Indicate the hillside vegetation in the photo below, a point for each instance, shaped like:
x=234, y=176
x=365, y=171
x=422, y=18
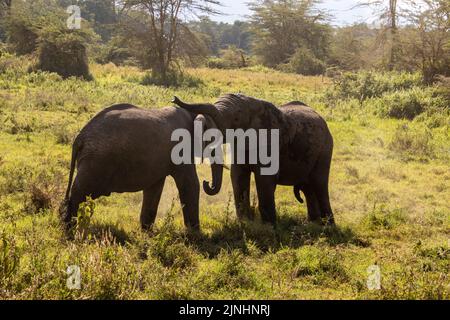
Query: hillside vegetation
x=390, y=191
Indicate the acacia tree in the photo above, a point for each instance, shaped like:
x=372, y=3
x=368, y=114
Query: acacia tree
x=282, y=27
x=389, y=12
x=5, y=8
x=159, y=24
x=429, y=43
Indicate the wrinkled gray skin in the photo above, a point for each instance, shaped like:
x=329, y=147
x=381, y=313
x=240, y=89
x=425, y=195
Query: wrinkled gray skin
x=306, y=147
x=128, y=149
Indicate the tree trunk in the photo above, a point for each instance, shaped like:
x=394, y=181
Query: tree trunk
x=395, y=46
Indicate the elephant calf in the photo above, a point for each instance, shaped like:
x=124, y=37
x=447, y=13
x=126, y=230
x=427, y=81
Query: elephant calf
x=128, y=149
x=305, y=152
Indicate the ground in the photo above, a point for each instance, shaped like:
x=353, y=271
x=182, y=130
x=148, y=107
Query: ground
x=391, y=204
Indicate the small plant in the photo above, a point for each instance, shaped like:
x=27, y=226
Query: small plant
x=40, y=199
x=9, y=258
x=64, y=135
x=320, y=264
x=84, y=215
x=412, y=143
x=384, y=218
x=231, y=272
x=168, y=245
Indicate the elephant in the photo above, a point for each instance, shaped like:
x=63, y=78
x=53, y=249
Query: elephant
x=125, y=148
x=305, y=154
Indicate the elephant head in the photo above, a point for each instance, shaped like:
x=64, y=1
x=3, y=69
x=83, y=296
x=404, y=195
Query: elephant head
x=235, y=111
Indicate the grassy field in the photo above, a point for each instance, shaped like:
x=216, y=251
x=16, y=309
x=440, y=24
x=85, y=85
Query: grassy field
x=390, y=191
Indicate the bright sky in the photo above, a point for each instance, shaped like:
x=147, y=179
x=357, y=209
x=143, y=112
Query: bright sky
x=340, y=9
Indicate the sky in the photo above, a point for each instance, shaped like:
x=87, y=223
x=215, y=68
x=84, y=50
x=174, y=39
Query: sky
x=341, y=10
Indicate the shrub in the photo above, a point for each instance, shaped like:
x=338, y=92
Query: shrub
x=412, y=143
x=407, y=104
x=40, y=198
x=304, y=62
x=402, y=104
x=230, y=58
x=65, y=54
x=231, y=273
x=114, y=51
x=9, y=258
x=22, y=34
x=368, y=84
x=168, y=245
x=173, y=79
x=384, y=218
x=65, y=134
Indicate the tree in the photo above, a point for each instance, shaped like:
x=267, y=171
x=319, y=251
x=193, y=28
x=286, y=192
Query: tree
x=428, y=42
x=5, y=8
x=158, y=22
x=351, y=47
x=389, y=12
x=101, y=13
x=283, y=26
x=220, y=36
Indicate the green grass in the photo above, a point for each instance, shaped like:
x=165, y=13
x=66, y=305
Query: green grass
x=390, y=185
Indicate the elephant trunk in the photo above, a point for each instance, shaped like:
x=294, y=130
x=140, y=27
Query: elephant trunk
x=217, y=174
x=211, y=111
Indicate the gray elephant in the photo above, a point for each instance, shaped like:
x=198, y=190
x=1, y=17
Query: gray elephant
x=305, y=152
x=127, y=149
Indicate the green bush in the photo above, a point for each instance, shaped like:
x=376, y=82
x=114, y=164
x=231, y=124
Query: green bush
x=407, y=104
x=230, y=58
x=40, y=28
x=22, y=34
x=173, y=78
x=64, y=53
x=216, y=63
x=114, y=51
x=304, y=62
x=402, y=104
x=368, y=84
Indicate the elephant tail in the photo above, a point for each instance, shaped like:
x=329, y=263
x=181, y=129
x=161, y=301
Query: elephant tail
x=75, y=149
x=297, y=194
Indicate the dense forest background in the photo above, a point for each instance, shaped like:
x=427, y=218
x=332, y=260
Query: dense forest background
x=288, y=35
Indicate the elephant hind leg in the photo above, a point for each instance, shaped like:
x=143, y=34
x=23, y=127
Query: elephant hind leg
x=312, y=203
x=320, y=184
x=326, y=213
x=150, y=202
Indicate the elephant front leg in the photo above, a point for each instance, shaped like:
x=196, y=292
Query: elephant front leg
x=240, y=178
x=188, y=186
x=265, y=186
x=150, y=203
